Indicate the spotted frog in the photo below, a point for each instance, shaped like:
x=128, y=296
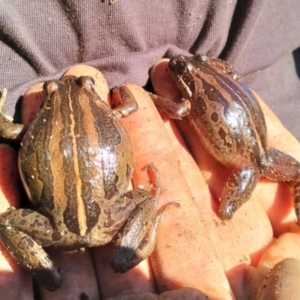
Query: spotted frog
x=229, y=122
x=76, y=162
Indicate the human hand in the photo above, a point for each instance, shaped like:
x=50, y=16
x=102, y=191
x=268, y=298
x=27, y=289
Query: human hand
x=194, y=248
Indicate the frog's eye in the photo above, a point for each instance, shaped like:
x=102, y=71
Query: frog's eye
x=87, y=82
x=178, y=67
x=50, y=86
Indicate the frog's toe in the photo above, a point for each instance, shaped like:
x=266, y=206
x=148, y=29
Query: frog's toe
x=49, y=279
x=226, y=210
x=124, y=258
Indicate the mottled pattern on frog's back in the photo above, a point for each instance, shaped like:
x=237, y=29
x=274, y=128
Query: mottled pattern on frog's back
x=228, y=118
x=76, y=153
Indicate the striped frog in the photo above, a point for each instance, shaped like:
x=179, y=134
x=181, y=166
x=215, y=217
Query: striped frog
x=229, y=122
x=76, y=163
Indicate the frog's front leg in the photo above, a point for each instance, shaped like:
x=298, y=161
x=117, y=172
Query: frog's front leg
x=136, y=241
x=123, y=102
x=238, y=189
x=175, y=110
x=9, y=130
x=284, y=168
x=24, y=232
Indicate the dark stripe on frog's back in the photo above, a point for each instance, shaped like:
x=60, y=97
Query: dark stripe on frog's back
x=109, y=139
x=34, y=151
x=69, y=97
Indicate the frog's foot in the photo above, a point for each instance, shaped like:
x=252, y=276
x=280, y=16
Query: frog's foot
x=19, y=231
x=3, y=95
x=297, y=198
x=237, y=191
x=123, y=102
x=32, y=257
x=284, y=168
x=8, y=129
x=154, y=179
x=173, y=109
x=137, y=239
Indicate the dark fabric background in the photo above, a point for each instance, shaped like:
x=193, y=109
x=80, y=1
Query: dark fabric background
x=42, y=39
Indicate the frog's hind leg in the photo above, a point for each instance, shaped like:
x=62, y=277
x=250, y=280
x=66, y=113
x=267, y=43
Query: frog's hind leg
x=8, y=129
x=136, y=241
x=238, y=189
x=23, y=232
x=284, y=168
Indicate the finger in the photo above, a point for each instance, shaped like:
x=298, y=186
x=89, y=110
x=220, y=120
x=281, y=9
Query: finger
x=9, y=178
x=282, y=282
x=135, y=281
x=184, y=254
x=14, y=282
x=277, y=271
x=79, y=276
x=286, y=246
x=278, y=136
x=233, y=239
x=138, y=279
x=280, y=208
x=183, y=293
